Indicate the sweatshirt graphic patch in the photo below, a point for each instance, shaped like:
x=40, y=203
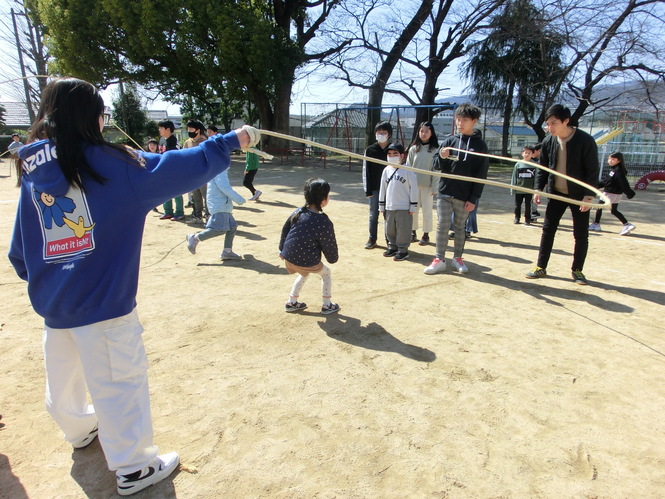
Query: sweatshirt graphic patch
x=66, y=224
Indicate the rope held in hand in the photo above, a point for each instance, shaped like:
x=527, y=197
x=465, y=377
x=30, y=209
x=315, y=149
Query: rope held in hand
x=485, y=181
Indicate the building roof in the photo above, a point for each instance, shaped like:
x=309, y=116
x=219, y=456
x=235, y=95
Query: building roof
x=16, y=115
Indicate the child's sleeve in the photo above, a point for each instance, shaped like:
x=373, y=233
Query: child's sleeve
x=224, y=185
x=285, y=230
x=382, y=191
x=625, y=187
x=16, y=256
x=328, y=242
x=413, y=192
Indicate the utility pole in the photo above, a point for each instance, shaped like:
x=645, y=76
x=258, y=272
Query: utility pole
x=26, y=84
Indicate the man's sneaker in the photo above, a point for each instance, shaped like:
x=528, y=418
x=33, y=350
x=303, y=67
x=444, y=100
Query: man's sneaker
x=390, y=252
x=294, y=307
x=177, y=218
x=192, y=241
x=627, y=229
x=166, y=217
x=536, y=273
x=256, y=196
x=459, y=265
x=330, y=309
x=414, y=236
x=527, y=222
x=230, y=255
x=87, y=440
x=195, y=221
x=451, y=235
x=401, y=256
x=371, y=243
x=578, y=277
x=516, y=221
x=595, y=227
x=424, y=241
x=436, y=267
x=155, y=472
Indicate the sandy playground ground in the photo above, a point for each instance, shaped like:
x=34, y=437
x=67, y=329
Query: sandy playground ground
x=481, y=385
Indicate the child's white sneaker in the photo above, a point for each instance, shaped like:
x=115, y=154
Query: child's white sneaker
x=230, y=255
x=459, y=265
x=192, y=241
x=627, y=229
x=155, y=472
x=256, y=196
x=436, y=267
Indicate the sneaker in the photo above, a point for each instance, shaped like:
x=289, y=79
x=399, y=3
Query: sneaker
x=166, y=217
x=333, y=308
x=87, y=440
x=578, y=277
x=424, y=241
x=627, y=229
x=371, y=243
x=256, y=196
x=451, y=235
x=468, y=235
x=195, y=221
x=230, y=255
x=401, y=256
x=159, y=469
x=390, y=252
x=177, y=218
x=414, y=237
x=192, y=241
x=527, y=222
x=535, y=214
x=459, y=265
x=294, y=307
x=516, y=221
x=536, y=273
x=595, y=227
x=436, y=267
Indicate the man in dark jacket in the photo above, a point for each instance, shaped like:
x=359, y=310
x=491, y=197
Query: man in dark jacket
x=372, y=176
x=570, y=151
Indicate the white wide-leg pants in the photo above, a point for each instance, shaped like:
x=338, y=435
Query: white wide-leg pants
x=108, y=357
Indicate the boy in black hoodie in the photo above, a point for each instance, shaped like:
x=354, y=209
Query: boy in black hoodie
x=458, y=196
x=372, y=176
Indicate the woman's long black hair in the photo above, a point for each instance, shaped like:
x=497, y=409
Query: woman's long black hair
x=315, y=190
x=620, y=165
x=69, y=115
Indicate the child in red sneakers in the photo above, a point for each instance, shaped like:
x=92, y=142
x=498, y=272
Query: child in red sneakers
x=307, y=233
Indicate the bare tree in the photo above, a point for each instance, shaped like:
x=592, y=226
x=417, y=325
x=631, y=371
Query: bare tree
x=605, y=43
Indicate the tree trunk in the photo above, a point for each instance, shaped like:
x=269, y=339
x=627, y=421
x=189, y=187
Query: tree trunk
x=507, y=118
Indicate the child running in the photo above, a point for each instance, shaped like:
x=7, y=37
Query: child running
x=398, y=199
x=614, y=186
x=220, y=196
x=524, y=175
x=81, y=261
x=307, y=233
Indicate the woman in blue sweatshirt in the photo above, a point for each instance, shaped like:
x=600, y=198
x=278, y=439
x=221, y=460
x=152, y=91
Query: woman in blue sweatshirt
x=79, y=250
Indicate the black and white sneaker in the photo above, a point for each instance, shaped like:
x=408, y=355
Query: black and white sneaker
x=159, y=469
x=87, y=440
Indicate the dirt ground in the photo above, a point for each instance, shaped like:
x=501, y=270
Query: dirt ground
x=482, y=385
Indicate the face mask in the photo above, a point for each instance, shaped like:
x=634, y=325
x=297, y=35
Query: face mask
x=381, y=137
x=393, y=160
x=192, y=134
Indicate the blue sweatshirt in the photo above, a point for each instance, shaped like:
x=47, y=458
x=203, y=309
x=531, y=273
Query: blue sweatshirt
x=80, y=250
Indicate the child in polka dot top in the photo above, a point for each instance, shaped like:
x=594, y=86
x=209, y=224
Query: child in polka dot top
x=307, y=233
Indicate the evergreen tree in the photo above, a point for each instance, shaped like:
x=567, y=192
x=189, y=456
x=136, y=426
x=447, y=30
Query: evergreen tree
x=129, y=114
x=512, y=68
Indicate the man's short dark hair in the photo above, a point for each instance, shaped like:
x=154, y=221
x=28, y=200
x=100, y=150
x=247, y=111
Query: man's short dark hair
x=197, y=125
x=538, y=146
x=167, y=124
x=384, y=125
x=213, y=128
x=468, y=110
x=560, y=112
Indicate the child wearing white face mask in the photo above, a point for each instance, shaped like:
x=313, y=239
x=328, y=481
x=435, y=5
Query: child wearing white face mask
x=372, y=176
x=398, y=200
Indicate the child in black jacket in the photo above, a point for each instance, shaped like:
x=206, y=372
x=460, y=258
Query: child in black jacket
x=614, y=185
